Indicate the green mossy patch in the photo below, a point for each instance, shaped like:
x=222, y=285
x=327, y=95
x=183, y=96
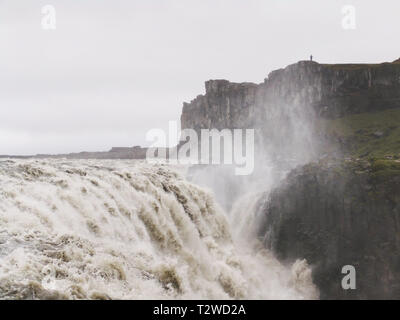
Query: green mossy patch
x=374, y=134
x=379, y=165
x=385, y=170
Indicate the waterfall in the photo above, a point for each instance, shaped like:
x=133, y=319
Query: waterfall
x=96, y=229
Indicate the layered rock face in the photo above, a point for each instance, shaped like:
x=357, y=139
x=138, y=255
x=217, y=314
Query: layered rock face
x=286, y=106
x=225, y=105
x=331, y=212
x=330, y=90
x=338, y=214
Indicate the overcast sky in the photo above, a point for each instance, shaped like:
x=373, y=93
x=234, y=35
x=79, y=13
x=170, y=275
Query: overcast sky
x=114, y=69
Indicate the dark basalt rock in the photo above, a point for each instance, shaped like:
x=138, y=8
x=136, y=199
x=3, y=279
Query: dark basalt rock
x=293, y=109
x=339, y=213
x=331, y=90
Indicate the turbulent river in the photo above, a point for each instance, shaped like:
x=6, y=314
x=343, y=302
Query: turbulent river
x=91, y=229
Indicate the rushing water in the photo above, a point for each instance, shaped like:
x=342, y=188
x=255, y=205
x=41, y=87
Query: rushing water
x=90, y=229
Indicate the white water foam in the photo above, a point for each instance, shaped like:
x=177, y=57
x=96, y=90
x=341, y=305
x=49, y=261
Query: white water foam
x=90, y=229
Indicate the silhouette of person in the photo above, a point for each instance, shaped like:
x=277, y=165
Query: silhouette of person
x=311, y=58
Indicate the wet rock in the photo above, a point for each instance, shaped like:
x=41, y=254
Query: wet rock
x=345, y=214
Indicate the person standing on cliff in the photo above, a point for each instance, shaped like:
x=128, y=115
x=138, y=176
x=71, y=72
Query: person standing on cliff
x=311, y=58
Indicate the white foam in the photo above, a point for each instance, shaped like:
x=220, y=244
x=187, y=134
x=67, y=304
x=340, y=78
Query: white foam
x=125, y=230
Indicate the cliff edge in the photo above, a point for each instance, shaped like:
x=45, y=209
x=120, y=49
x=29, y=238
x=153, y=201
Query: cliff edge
x=340, y=203
x=331, y=99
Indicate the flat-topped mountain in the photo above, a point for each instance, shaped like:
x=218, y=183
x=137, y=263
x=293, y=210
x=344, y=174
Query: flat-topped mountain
x=328, y=97
x=333, y=90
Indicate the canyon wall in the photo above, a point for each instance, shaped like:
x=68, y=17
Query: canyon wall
x=339, y=213
x=331, y=90
x=291, y=104
x=337, y=128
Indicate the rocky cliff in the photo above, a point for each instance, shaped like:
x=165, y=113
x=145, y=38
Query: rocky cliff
x=331, y=90
x=338, y=213
x=307, y=92
x=340, y=204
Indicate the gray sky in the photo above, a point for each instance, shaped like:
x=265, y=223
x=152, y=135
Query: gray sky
x=114, y=69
